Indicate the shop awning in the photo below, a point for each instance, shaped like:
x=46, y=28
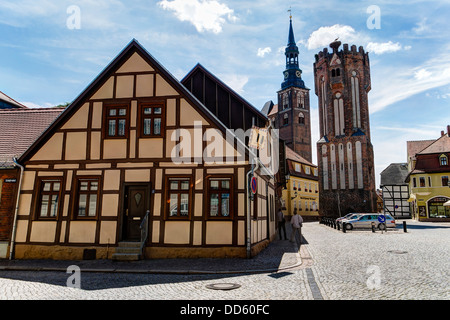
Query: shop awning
x=447, y=204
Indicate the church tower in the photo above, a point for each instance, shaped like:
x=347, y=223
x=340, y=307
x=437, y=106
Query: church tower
x=344, y=152
x=293, y=117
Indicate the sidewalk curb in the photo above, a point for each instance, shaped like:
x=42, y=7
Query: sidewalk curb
x=159, y=271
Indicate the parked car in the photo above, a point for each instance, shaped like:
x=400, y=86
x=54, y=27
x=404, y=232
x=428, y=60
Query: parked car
x=350, y=216
x=367, y=219
x=347, y=216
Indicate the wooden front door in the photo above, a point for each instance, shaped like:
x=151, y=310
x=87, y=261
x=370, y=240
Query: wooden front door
x=136, y=205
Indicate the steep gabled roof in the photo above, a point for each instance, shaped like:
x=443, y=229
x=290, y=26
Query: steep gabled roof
x=440, y=145
x=236, y=120
x=414, y=147
x=20, y=128
x=115, y=64
x=394, y=174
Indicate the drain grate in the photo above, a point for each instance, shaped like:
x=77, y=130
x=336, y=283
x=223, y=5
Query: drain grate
x=397, y=251
x=223, y=286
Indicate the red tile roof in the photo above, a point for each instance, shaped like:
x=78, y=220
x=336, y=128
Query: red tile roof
x=19, y=128
x=439, y=146
x=292, y=155
x=414, y=147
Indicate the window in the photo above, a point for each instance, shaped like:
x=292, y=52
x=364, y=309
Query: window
x=301, y=118
x=414, y=183
x=285, y=119
x=422, y=182
x=297, y=167
x=443, y=160
x=152, y=120
x=49, y=198
x=336, y=72
x=219, y=190
x=116, y=121
x=87, y=197
x=445, y=181
x=178, y=194
x=285, y=101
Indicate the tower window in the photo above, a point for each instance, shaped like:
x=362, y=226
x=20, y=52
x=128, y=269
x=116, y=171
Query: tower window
x=301, y=118
x=285, y=101
x=336, y=72
x=285, y=119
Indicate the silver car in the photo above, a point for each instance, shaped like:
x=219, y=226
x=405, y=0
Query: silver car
x=350, y=216
x=366, y=220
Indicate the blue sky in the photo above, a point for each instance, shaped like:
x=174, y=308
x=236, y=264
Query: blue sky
x=44, y=61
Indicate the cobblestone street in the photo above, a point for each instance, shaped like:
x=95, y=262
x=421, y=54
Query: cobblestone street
x=335, y=265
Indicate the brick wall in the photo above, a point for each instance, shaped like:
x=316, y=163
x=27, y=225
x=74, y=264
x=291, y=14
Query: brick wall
x=7, y=202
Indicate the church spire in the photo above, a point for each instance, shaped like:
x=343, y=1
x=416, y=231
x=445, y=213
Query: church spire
x=291, y=40
x=292, y=74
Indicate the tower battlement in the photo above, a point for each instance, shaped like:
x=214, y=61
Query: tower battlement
x=345, y=152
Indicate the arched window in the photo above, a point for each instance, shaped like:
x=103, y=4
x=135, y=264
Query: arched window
x=443, y=160
x=301, y=118
x=301, y=100
x=285, y=119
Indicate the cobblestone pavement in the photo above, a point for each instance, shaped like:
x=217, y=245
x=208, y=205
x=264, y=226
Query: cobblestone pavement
x=334, y=265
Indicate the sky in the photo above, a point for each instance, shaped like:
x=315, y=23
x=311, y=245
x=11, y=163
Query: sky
x=50, y=50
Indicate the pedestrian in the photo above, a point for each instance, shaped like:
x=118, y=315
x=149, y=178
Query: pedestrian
x=281, y=224
x=296, y=222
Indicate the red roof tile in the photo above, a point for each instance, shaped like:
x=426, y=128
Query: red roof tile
x=19, y=128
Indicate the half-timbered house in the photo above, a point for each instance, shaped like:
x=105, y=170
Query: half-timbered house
x=137, y=166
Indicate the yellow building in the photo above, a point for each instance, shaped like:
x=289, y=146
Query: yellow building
x=302, y=189
x=429, y=178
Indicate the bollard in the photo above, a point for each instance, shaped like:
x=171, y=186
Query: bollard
x=338, y=226
x=343, y=227
x=373, y=227
x=404, y=226
x=334, y=224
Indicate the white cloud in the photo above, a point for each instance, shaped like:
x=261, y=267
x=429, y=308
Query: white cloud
x=35, y=105
x=262, y=52
x=384, y=47
x=205, y=15
x=421, y=26
x=235, y=82
x=422, y=74
x=405, y=83
x=323, y=36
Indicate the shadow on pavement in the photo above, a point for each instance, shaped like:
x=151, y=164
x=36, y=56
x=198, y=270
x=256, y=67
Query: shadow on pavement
x=106, y=274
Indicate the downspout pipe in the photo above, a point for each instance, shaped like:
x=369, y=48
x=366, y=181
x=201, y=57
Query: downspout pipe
x=14, y=229
x=249, y=197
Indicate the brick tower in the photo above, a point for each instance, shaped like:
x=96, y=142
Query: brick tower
x=293, y=118
x=344, y=152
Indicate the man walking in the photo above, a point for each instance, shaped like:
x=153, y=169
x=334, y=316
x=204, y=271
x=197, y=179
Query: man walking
x=281, y=224
x=296, y=222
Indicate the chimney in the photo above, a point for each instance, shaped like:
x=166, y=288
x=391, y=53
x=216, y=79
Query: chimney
x=448, y=130
x=442, y=133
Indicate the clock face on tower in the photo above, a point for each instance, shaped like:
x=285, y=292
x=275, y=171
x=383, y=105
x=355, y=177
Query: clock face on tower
x=298, y=74
x=286, y=74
